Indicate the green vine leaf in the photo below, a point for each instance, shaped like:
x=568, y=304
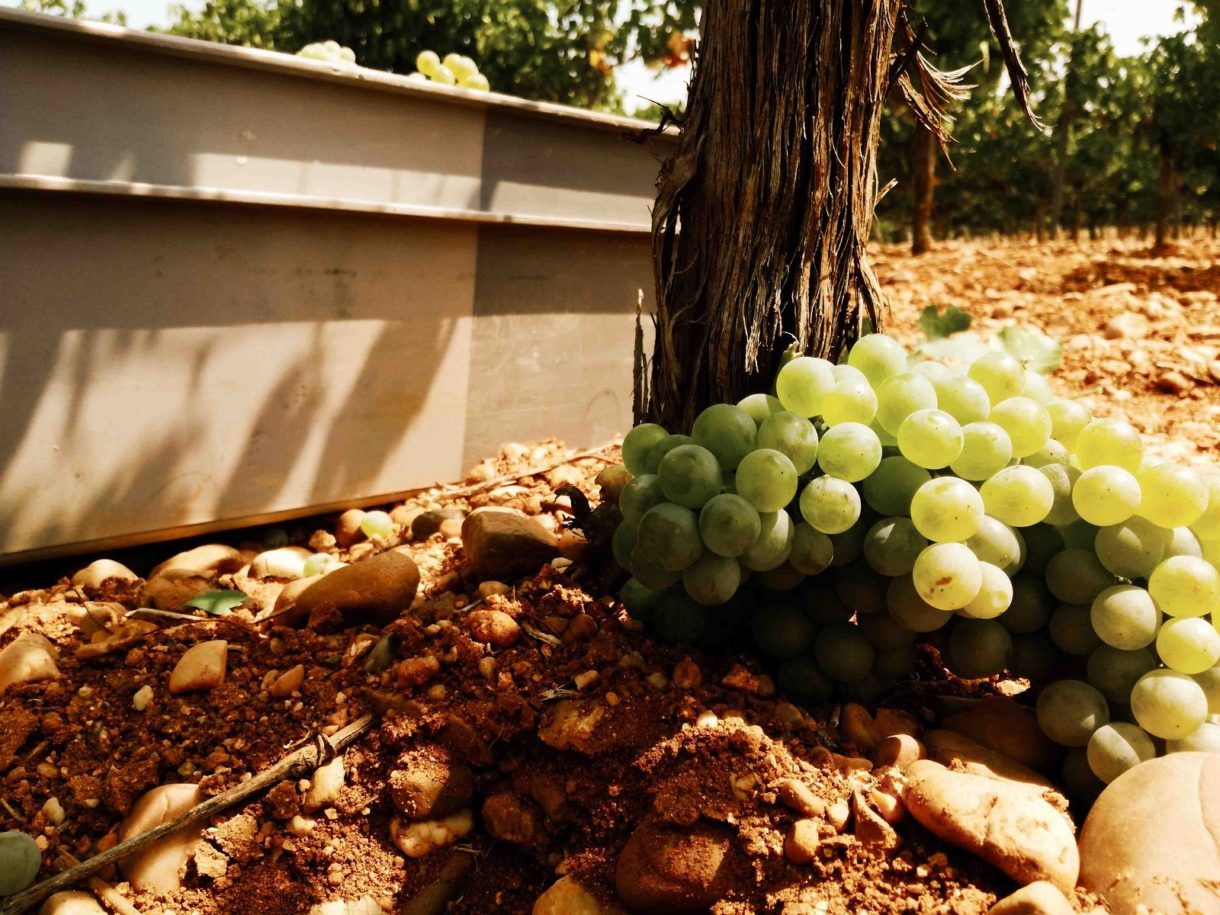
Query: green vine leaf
x=1034, y=348
x=217, y=603
x=937, y=326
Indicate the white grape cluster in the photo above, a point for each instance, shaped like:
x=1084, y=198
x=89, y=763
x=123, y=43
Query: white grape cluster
x=328, y=51
x=454, y=70
x=869, y=502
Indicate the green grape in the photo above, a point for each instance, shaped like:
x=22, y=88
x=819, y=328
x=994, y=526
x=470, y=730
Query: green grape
x=677, y=618
x=801, y=679
x=962, y=398
x=1207, y=525
x=849, y=451
x=1209, y=681
x=978, y=648
x=1036, y=387
x=812, y=551
x=830, y=505
x=878, y=356
x=1062, y=478
x=1069, y=711
x=1105, y=495
x=821, y=604
x=1183, y=542
x=1210, y=550
x=802, y=383
x=884, y=632
x=887, y=440
x=843, y=652
x=1053, y=452
x=781, y=578
x=1068, y=418
x=460, y=66
x=849, y=544
x=1168, y=704
x=1174, y=496
x=947, y=509
x=1042, y=542
x=427, y=62
x=773, y=545
x=1116, y=747
x=1124, y=616
x=20, y=859
x=1000, y=374
x=782, y=631
x=994, y=597
x=901, y=395
x=1033, y=656
x=986, y=450
x=639, y=599
x=728, y=524
x=1079, y=535
x=726, y=431
x=766, y=479
x=1189, y=645
x=662, y=447
x=639, y=495
x=760, y=406
x=1131, y=549
x=1018, y=495
x=690, y=475
x=1109, y=442
x=1072, y=631
x=1203, y=739
x=323, y=563
x=1030, y=609
x=377, y=524
x=668, y=537
x=792, y=435
x=910, y=610
x=893, y=484
x=930, y=438
x=1026, y=421
x=894, y=664
x=849, y=401
x=892, y=544
x=1185, y=586
x=1075, y=576
x=947, y=575
x=651, y=575
x=935, y=372
x=622, y=544
x=860, y=588
x=999, y=544
x=1115, y=672
x=637, y=443
x=712, y=579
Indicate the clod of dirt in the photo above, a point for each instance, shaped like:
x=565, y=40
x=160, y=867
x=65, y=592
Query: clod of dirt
x=670, y=870
x=427, y=782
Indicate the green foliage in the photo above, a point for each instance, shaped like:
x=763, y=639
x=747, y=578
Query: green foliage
x=75, y=10
x=937, y=326
x=217, y=603
x=250, y=23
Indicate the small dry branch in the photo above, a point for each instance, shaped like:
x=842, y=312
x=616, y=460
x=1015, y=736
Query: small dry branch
x=316, y=752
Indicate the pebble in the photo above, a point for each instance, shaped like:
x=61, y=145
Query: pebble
x=324, y=786
x=488, y=589
x=427, y=783
x=1038, y=898
x=71, y=902
x=285, y=562
x=857, y=726
x=101, y=571
x=687, y=674
x=566, y=896
x=1174, y=383
x=1149, y=843
x=374, y=591
x=201, y=667
x=158, y=868
x=1128, y=325
x=446, y=521
x=288, y=682
x=799, y=797
x=1004, y=823
x=347, y=528
x=1007, y=727
x=837, y=815
x=416, y=671
x=801, y=843
x=415, y=840
x=494, y=627
x=502, y=543
x=365, y=905
x=300, y=826
x=208, y=561
x=667, y=870
x=29, y=658
x=53, y=810
x=871, y=828
x=898, y=750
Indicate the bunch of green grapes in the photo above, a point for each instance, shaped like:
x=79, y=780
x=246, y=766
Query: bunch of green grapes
x=861, y=507
x=454, y=70
x=329, y=51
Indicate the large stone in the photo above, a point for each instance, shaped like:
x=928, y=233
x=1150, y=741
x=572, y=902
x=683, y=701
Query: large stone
x=374, y=591
x=566, y=896
x=955, y=750
x=29, y=658
x=101, y=571
x=666, y=870
x=502, y=543
x=188, y=574
x=157, y=868
x=1007, y=727
x=1038, y=898
x=1005, y=823
x=1152, y=840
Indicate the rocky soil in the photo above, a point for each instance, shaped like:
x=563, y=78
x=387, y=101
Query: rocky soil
x=534, y=749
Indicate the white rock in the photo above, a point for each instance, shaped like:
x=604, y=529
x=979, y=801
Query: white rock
x=158, y=867
x=285, y=562
x=325, y=786
x=29, y=658
x=201, y=667
x=72, y=902
x=102, y=570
